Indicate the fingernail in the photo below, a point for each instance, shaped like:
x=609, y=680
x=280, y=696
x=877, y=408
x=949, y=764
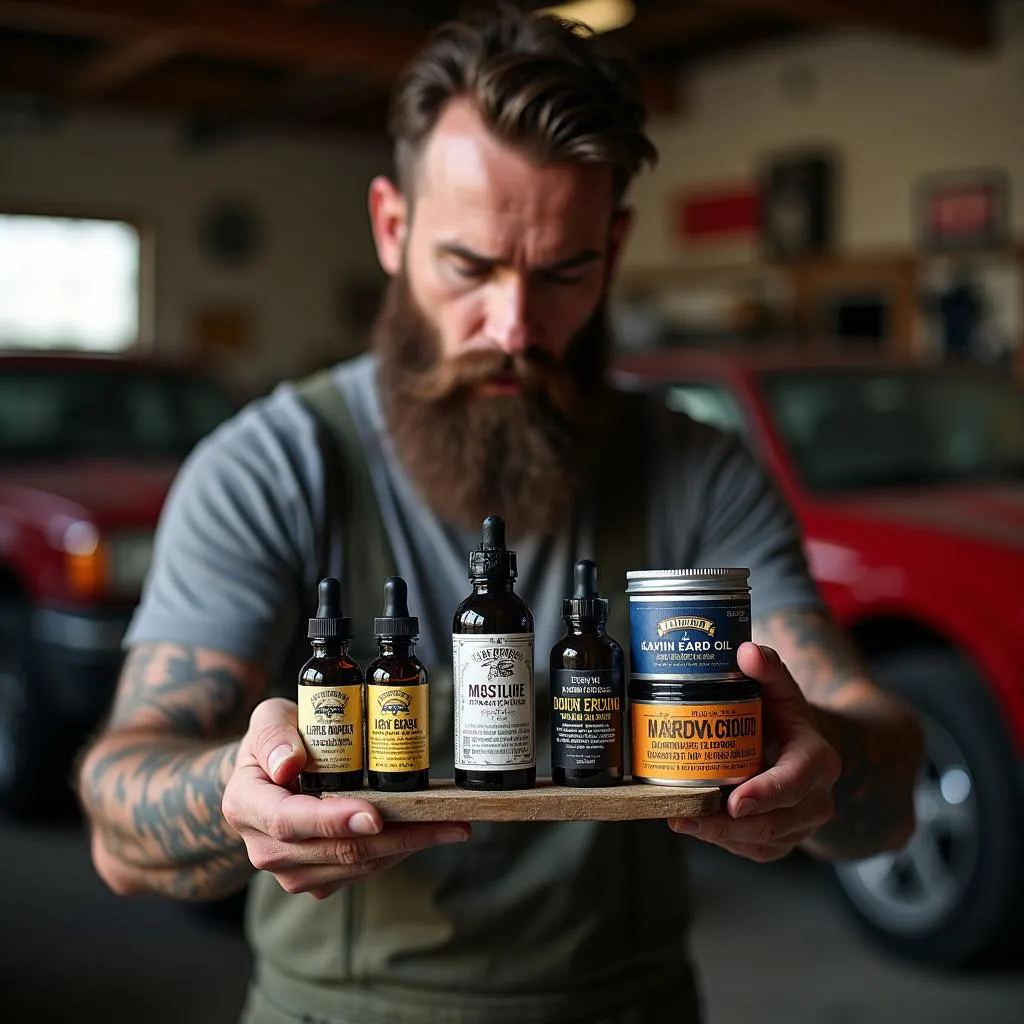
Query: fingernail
x=745, y=807
x=278, y=756
x=363, y=824
x=685, y=825
x=451, y=835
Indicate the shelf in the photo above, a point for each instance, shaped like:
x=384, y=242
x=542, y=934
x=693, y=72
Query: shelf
x=545, y=802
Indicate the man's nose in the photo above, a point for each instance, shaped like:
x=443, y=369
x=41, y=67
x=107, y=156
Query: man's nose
x=506, y=320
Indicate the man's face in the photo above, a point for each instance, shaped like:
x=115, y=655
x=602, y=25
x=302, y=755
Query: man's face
x=500, y=253
x=492, y=339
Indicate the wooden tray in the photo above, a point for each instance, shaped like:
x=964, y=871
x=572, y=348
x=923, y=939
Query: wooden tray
x=545, y=802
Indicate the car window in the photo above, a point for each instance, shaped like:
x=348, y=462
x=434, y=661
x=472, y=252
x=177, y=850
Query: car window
x=849, y=429
x=97, y=413
x=713, y=404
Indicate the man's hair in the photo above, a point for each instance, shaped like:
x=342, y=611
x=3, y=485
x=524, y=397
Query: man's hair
x=541, y=84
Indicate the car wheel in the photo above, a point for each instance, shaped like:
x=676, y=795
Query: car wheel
x=953, y=892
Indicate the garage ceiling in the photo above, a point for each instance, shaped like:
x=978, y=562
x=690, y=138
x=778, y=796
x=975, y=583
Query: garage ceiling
x=327, y=64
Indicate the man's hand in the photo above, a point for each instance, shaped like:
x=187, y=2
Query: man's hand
x=308, y=844
x=773, y=812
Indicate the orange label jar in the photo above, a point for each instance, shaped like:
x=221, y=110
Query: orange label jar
x=695, y=719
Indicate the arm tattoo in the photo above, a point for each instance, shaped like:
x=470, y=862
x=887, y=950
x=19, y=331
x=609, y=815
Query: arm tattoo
x=876, y=736
x=154, y=781
x=181, y=690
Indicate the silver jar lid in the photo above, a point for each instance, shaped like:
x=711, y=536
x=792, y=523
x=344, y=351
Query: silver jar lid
x=682, y=581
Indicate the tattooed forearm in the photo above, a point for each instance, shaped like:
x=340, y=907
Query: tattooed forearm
x=156, y=808
x=152, y=785
x=184, y=691
x=876, y=735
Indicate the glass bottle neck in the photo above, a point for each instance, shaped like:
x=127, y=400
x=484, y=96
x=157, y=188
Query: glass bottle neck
x=396, y=647
x=485, y=586
x=576, y=627
x=329, y=648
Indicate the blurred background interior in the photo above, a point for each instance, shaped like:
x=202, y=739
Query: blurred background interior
x=829, y=261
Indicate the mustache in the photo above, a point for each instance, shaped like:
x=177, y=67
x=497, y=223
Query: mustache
x=538, y=372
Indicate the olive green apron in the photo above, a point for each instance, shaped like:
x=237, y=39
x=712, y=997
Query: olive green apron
x=527, y=923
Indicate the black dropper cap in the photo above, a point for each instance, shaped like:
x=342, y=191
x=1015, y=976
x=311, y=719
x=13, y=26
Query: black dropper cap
x=396, y=620
x=585, y=605
x=492, y=559
x=329, y=623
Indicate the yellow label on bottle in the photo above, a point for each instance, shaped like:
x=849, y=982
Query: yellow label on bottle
x=697, y=742
x=397, y=728
x=331, y=726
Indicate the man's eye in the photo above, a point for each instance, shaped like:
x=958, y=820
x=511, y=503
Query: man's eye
x=473, y=271
x=554, y=278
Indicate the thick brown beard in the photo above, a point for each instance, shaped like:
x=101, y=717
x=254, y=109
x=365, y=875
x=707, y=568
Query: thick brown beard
x=523, y=457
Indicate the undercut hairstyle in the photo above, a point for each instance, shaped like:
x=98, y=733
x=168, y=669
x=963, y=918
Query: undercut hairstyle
x=544, y=85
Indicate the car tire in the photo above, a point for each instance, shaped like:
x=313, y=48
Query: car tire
x=33, y=751
x=954, y=893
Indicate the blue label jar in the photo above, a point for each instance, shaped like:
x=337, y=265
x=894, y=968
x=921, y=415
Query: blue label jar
x=687, y=623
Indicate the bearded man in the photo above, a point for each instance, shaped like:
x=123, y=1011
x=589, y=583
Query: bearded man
x=485, y=392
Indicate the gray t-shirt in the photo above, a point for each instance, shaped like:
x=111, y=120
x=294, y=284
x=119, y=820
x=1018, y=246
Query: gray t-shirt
x=587, y=915
x=240, y=538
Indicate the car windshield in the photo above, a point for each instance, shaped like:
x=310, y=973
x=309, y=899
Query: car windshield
x=854, y=429
x=94, y=412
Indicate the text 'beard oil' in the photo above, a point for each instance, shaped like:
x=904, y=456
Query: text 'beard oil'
x=492, y=648
x=397, y=704
x=330, y=701
x=588, y=691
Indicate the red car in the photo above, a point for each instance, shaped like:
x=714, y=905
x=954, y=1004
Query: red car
x=89, y=446
x=909, y=484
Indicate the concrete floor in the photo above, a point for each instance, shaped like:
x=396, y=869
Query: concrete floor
x=72, y=952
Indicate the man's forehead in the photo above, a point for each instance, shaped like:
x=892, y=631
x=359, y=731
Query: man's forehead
x=466, y=170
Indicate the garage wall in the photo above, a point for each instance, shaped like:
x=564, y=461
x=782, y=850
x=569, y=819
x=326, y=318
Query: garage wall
x=892, y=111
x=310, y=195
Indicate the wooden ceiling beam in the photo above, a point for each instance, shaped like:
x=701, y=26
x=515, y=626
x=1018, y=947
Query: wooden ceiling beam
x=958, y=24
x=124, y=62
x=228, y=29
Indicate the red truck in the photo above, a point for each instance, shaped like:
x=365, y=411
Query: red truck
x=89, y=446
x=908, y=482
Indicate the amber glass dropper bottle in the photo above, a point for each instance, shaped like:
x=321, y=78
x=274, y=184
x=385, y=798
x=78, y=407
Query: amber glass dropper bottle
x=397, y=704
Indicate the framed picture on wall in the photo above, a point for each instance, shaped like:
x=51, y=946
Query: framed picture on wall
x=961, y=210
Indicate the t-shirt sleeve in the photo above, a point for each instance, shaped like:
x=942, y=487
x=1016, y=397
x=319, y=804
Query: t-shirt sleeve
x=229, y=553
x=730, y=513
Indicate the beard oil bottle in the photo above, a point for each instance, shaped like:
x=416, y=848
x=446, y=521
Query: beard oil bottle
x=397, y=723
x=331, y=701
x=588, y=691
x=492, y=647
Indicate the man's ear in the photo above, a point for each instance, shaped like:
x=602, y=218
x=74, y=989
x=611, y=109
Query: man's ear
x=389, y=219
x=622, y=224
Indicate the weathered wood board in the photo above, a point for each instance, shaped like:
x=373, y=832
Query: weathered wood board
x=545, y=802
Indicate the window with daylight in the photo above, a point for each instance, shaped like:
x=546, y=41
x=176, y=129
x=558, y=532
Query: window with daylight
x=69, y=283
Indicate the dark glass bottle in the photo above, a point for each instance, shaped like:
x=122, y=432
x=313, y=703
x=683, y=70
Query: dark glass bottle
x=492, y=647
x=331, y=702
x=397, y=700
x=588, y=691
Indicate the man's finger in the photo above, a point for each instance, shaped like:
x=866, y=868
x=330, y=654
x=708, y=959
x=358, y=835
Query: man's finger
x=785, y=784
x=760, y=829
x=764, y=665
x=352, y=852
x=252, y=802
x=322, y=882
x=274, y=742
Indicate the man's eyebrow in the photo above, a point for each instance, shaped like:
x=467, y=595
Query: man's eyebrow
x=580, y=259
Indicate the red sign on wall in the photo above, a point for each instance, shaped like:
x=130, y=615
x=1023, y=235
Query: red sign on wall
x=964, y=210
x=717, y=214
